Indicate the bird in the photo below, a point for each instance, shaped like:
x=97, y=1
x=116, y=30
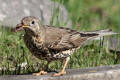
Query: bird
x=52, y=43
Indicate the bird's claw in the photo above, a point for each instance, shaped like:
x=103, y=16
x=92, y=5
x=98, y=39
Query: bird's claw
x=39, y=73
x=59, y=74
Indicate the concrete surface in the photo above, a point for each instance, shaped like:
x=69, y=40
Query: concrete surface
x=97, y=73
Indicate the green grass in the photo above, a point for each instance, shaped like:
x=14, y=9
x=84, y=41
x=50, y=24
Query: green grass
x=85, y=15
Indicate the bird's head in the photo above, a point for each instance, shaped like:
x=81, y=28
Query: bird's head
x=30, y=24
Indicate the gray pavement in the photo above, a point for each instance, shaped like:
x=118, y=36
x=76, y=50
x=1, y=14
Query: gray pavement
x=95, y=73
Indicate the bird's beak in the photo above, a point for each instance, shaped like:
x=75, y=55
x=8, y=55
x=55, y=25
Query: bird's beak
x=24, y=26
x=20, y=27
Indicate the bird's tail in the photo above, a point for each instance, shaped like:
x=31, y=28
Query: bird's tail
x=105, y=32
x=98, y=33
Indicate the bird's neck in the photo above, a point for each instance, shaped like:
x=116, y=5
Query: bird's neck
x=29, y=32
x=37, y=33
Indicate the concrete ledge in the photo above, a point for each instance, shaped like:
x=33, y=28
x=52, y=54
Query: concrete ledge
x=95, y=73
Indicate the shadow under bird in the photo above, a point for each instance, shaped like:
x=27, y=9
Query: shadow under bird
x=54, y=43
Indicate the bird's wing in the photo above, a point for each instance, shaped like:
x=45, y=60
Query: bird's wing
x=70, y=41
x=64, y=39
x=63, y=43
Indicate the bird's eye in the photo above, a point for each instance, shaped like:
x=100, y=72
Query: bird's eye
x=33, y=22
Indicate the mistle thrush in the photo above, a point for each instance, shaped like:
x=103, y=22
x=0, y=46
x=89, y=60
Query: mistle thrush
x=54, y=43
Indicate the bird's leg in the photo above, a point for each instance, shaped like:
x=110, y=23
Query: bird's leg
x=42, y=72
x=62, y=72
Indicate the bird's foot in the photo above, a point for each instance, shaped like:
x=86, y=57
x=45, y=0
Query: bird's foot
x=39, y=73
x=59, y=74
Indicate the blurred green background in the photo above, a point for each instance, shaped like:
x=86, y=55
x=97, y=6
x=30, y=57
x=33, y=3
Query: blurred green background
x=86, y=15
x=93, y=14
